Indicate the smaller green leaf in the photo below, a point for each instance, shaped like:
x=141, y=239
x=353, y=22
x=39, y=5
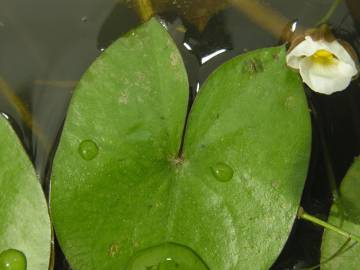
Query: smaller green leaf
x=350, y=194
x=12, y=259
x=348, y=259
x=25, y=232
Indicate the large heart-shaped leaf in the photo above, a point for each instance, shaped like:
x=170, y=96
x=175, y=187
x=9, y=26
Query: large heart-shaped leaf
x=348, y=258
x=127, y=194
x=24, y=218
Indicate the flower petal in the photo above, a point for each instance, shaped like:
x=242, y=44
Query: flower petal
x=340, y=52
x=305, y=48
x=326, y=79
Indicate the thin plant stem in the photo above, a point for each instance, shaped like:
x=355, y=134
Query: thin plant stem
x=331, y=176
x=145, y=9
x=305, y=216
x=24, y=113
x=337, y=253
x=267, y=18
x=329, y=13
x=328, y=163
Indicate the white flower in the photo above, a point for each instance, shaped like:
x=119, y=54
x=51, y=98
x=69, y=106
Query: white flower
x=325, y=66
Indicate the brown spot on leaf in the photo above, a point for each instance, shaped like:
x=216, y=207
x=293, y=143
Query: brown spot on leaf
x=174, y=59
x=136, y=244
x=289, y=101
x=113, y=250
x=124, y=98
x=253, y=66
x=275, y=184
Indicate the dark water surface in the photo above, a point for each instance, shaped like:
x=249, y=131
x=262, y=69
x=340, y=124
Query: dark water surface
x=45, y=46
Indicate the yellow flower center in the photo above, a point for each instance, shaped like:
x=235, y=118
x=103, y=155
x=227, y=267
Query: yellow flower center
x=323, y=57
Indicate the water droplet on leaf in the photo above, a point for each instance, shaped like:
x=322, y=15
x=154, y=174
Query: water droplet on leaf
x=12, y=259
x=222, y=172
x=88, y=149
x=168, y=264
x=167, y=256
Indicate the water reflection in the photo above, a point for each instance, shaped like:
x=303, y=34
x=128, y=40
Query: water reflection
x=187, y=46
x=5, y=116
x=211, y=55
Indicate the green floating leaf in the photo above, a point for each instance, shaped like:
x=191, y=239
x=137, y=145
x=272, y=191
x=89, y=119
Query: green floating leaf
x=349, y=259
x=123, y=198
x=12, y=259
x=24, y=218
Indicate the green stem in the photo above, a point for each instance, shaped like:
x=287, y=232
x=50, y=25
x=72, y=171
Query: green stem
x=328, y=164
x=144, y=9
x=329, y=168
x=305, y=216
x=329, y=13
x=331, y=176
x=337, y=253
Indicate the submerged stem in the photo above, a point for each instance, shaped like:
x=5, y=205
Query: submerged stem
x=305, y=216
x=330, y=12
x=331, y=176
x=340, y=251
x=145, y=9
x=328, y=163
x=24, y=113
x=264, y=16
